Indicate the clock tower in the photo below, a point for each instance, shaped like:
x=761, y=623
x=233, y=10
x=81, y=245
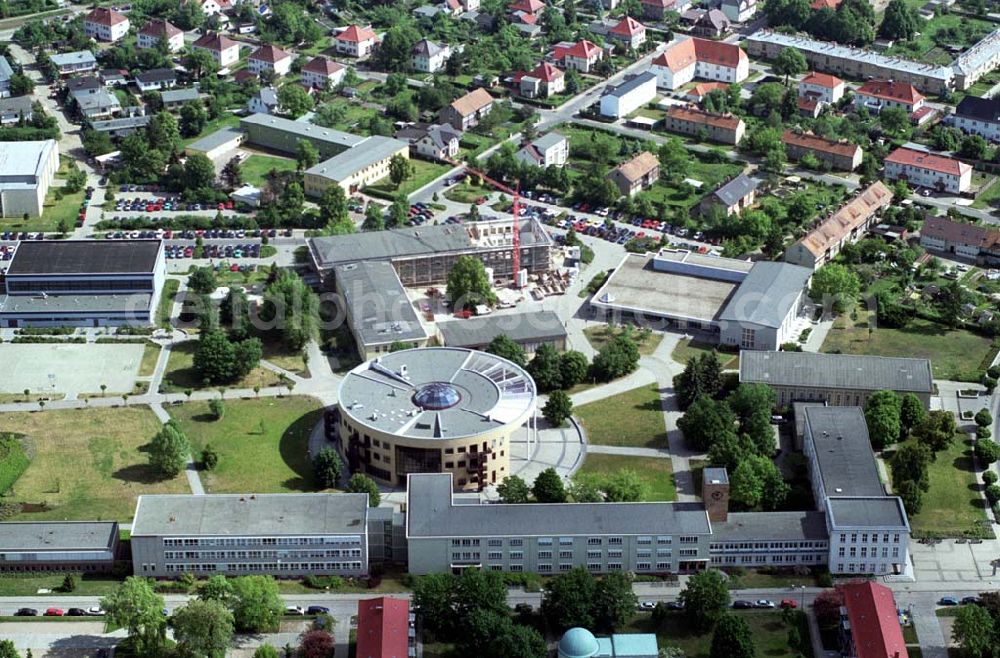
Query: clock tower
x=715, y=493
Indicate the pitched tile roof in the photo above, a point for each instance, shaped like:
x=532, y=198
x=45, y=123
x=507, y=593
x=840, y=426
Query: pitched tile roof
x=902, y=92
x=270, y=54
x=582, y=49
x=983, y=109
x=160, y=28
x=427, y=48
x=546, y=72
x=685, y=53
x=735, y=190
x=628, y=27
x=703, y=88
x=356, y=34
x=875, y=628
x=825, y=4
x=932, y=161
x=472, y=102
x=638, y=166
x=528, y=6
x=817, y=143
x=821, y=80
x=105, y=16
x=217, y=42
x=383, y=628
x=323, y=65
x=971, y=235
x=848, y=217
x=694, y=115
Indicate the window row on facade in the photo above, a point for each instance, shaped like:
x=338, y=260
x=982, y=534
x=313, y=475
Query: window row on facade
x=258, y=555
x=346, y=540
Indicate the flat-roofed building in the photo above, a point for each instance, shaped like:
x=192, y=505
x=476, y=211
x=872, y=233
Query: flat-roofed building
x=847, y=225
x=629, y=96
x=86, y=546
x=529, y=330
x=923, y=169
x=26, y=171
x=364, y=164
x=722, y=128
x=752, y=540
x=284, y=535
x=841, y=155
x=75, y=62
x=447, y=535
x=116, y=128
x=83, y=283
x=837, y=379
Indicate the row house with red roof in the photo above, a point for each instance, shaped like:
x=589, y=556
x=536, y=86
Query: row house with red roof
x=157, y=30
x=322, y=73
x=581, y=56
x=105, y=24
x=841, y=155
x=356, y=41
x=271, y=59
x=822, y=87
x=923, y=169
x=223, y=50
x=869, y=625
x=385, y=628
x=544, y=81
x=693, y=58
x=879, y=94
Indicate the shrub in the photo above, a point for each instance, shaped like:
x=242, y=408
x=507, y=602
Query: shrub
x=209, y=458
x=13, y=461
x=990, y=477
x=824, y=579
x=69, y=583
x=993, y=494
x=217, y=408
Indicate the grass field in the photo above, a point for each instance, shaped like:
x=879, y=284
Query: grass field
x=656, y=474
x=88, y=464
x=989, y=197
x=181, y=375
x=688, y=349
x=423, y=172
x=953, y=504
x=256, y=167
x=262, y=443
x=53, y=211
x=166, y=306
x=150, y=353
x=633, y=418
x=770, y=633
x=277, y=354
x=227, y=120
x=952, y=352
x=599, y=337
x=29, y=584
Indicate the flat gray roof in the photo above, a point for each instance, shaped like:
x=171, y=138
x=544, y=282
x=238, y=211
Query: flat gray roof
x=179, y=95
x=879, y=511
x=767, y=295
x=846, y=464
x=78, y=57
x=487, y=392
x=215, y=140
x=22, y=163
x=346, y=164
x=715, y=475
x=431, y=512
x=251, y=515
x=124, y=122
x=62, y=257
x=58, y=536
x=637, y=287
x=138, y=302
x=631, y=84
x=302, y=129
x=519, y=327
x=385, y=245
x=377, y=303
x=772, y=526
x=843, y=371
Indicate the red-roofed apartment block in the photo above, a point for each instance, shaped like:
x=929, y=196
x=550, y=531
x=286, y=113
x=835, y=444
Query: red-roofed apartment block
x=383, y=628
x=870, y=628
x=922, y=169
x=694, y=58
x=105, y=24
x=357, y=42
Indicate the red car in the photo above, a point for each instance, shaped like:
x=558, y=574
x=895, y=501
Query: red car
x=789, y=603
x=54, y=612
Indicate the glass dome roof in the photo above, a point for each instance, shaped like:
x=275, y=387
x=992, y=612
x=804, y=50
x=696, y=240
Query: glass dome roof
x=437, y=395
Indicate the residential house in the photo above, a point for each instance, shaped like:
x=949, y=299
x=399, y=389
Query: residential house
x=223, y=50
x=271, y=59
x=697, y=93
x=173, y=99
x=870, y=625
x=693, y=58
x=739, y=11
x=113, y=77
x=265, y=101
x=117, y=128
x=529, y=11
x=429, y=57
x=155, y=79
x=86, y=84
x=840, y=155
x=550, y=150
x=322, y=73
x=973, y=241
x=822, y=87
x=213, y=7
x=582, y=56
x=712, y=24
x=356, y=41
x=922, y=169
x=466, y=112
x=105, y=24
x=434, y=141
x=847, y=225
x=722, y=128
x=546, y=80
x=629, y=96
x=76, y=62
x=656, y=10
x=978, y=116
x=809, y=107
x=629, y=33
x=6, y=73
x=12, y=110
x=158, y=30
x=733, y=196
x=876, y=95
x=635, y=175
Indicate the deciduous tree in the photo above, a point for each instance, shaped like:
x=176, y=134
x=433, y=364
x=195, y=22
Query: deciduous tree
x=504, y=346
x=361, y=483
x=882, y=415
x=327, y=468
x=202, y=628
x=256, y=604
x=169, y=449
x=514, y=490
x=548, y=487
x=135, y=607
x=705, y=599
x=732, y=639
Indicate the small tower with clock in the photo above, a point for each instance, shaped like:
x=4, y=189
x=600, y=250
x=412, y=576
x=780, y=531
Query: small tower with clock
x=715, y=493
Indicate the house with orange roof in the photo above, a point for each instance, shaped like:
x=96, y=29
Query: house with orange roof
x=840, y=155
x=635, y=175
x=693, y=58
x=532, y=7
x=847, y=225
x=822, y=87
x=544, y=81
x=270, y=58
x=356, y=41
x=322, y=73
x=722, y=128
x=465, y=112
x=876, y=95
x=870, y=628
x=697, y=93
x=925, y=169
x=223, y=50
x=105, y=24
x=629, y=33
x=158, y=29
x=582, y=56
x=816, y=5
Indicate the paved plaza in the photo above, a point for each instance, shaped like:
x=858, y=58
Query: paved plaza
x=69, y=367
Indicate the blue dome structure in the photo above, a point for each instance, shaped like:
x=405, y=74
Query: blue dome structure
x=436, y=396
x=578, y=643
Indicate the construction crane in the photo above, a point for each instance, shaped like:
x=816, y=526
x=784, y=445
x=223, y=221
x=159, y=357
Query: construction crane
x=515, y=212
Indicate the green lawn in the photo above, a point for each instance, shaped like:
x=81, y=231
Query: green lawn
x=423, y=172
x=256, y=168
x=770, y=633
x=53, y=211
x=711, y=174
x=180, y=373
x=954, y=353
x=688, y=349
x=600, y=335
x=467, y=192
x=227, y=120
x=632, y=418
x=29, y=584
x=150, y=353
x=277, y=354
x=656, y=474
x=170, y=287
x=953, y=505
x=989, y=197
x=262, y=443
x=923, y=48
x=88, y=463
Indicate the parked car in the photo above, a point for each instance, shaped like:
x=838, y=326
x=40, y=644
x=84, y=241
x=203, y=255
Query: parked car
x=317, y=610
x=675, y=605
x=76, y=612
x=948, y=600
x=26, y=612
x=971, y=600
x=95, y=611
x=294, y=610
x=647, y=605
x=743, y=605
x=789, y=603
x=763, y=603
x=54, y=612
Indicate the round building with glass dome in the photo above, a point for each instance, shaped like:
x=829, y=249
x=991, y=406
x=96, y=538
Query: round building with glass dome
x=434, y=410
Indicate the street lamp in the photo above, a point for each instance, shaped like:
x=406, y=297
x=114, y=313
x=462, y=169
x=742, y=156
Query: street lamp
x=802, y=594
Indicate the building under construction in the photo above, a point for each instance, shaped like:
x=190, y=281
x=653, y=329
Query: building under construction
x=424, y=255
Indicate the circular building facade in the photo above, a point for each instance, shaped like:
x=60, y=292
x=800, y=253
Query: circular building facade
x=434, y=410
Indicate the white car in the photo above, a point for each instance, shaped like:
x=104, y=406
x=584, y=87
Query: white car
x=647, y=605
x=95, y=611
x=763, y=603
x=294, y=610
